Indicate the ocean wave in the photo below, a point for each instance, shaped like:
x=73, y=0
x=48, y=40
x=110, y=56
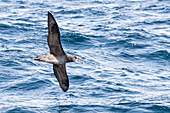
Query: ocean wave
x=19, y=109
x=29, y=85
x=123, y=44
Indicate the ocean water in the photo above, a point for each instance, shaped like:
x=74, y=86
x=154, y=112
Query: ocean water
x=124, y=44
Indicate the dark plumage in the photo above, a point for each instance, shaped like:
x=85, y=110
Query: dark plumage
x=57, y=55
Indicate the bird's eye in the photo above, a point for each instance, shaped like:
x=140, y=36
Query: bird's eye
x=75, y=57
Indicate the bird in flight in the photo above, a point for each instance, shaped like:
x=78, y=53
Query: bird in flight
x=57, y=56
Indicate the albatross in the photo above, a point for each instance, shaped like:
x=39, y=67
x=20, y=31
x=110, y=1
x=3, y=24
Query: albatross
x=57, y=56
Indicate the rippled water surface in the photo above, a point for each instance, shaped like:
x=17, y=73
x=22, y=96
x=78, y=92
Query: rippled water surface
x=124, y=44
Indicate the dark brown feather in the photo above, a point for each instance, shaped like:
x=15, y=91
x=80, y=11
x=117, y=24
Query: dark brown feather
x=61, y=75
x=54, y=37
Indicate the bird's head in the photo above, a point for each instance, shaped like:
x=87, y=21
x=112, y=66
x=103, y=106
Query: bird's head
x=75, y=59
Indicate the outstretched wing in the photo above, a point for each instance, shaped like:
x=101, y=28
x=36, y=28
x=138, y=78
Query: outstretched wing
x=61, y=75
x=54, y=36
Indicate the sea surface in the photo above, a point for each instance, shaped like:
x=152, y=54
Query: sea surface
x=124, y=44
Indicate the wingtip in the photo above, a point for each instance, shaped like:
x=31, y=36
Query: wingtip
x=65, y=88
x=52, y=24
x=49, y=13
x=51, y=19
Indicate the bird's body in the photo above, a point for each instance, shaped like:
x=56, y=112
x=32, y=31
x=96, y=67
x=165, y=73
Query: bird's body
x=57, y=56
x=52, y=59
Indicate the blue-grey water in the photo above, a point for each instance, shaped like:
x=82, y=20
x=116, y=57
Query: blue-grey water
x=124, y=44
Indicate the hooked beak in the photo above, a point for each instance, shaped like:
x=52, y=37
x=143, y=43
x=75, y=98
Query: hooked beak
x=79, y=61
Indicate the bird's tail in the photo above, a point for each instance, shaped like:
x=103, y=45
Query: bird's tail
x=37, y=58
